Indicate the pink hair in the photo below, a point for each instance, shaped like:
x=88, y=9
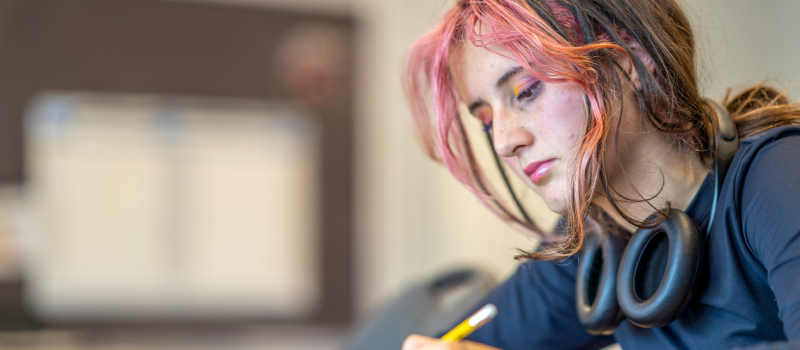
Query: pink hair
x=578, y=41
x=529, y=40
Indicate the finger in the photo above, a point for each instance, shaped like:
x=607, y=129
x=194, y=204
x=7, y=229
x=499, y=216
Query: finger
x=418, y=342
x=466, y=344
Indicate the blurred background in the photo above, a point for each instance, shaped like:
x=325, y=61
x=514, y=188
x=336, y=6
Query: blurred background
x=241, y=174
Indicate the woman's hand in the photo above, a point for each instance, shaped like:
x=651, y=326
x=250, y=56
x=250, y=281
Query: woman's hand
x=418, y=342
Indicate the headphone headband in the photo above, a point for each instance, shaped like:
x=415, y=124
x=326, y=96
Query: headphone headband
x=726, y=150
x=728, y=135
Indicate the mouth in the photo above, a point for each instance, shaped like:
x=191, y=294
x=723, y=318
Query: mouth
x=537, y=170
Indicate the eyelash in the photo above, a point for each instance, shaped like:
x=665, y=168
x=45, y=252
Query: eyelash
x=488, y=126
x=529, y=91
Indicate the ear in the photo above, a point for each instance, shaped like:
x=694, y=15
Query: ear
x=640, y=53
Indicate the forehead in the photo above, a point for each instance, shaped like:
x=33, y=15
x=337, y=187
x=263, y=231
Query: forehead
x=475, y=69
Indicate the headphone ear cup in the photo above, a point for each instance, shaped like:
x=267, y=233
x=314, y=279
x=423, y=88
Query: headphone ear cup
x=679, y=280
x=596, y=286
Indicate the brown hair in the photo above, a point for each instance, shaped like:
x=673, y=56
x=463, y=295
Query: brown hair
x=577, y=40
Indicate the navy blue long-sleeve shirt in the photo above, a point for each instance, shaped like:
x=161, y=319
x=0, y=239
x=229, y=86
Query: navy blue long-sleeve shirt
x=752, y=297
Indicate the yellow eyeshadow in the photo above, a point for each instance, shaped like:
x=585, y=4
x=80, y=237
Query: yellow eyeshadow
x=518, y=89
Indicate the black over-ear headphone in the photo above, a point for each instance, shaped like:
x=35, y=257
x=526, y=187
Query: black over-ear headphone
x=612, y=275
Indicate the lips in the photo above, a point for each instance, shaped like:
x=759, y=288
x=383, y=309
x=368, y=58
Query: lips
x=537, y=170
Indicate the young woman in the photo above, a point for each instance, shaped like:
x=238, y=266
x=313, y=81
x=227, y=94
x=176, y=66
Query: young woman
x=594, y=104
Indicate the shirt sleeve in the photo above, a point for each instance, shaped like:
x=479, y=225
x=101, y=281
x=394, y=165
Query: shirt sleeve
x=536, y=310
x=770, y=206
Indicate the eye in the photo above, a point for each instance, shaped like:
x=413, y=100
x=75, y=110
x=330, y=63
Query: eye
x=529, y=92
x=487, y=127
x=484, y=114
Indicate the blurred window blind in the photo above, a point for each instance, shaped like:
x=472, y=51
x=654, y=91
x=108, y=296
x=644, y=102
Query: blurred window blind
x=156, y=207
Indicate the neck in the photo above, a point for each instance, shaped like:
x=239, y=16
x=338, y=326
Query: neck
x=673, y=177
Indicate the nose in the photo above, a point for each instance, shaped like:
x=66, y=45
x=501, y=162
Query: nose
x=510, y=134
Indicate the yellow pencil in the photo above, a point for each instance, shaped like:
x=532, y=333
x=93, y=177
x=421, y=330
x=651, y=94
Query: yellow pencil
x=472, y=323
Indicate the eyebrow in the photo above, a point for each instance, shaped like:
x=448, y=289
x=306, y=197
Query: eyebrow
x=503, y=79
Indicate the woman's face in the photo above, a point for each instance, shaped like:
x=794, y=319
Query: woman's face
x=536, y=126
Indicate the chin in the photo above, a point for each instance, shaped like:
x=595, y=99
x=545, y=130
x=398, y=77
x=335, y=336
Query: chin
x=559, y=207
x=555, y=199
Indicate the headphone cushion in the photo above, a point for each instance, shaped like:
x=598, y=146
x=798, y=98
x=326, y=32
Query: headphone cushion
x=679, y=280
x=596, y=287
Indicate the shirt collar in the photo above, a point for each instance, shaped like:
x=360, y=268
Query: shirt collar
x=700, y=208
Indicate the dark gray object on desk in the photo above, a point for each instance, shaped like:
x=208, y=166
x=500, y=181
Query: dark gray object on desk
x=429, y=308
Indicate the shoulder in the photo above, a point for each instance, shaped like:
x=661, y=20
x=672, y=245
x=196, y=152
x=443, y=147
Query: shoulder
x=765, y=184
x=764, y=216
x=770, y=160
x=781, y=141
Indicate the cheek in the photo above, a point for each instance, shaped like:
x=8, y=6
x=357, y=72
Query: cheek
x=562, y=127
x=563, y=115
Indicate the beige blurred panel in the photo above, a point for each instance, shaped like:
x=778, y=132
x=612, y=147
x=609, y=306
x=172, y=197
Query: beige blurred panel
x=97, y=181
x=244, y=178
x=159, y=208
